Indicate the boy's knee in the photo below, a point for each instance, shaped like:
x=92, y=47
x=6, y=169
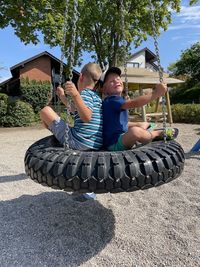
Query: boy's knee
x=45, y=110
x=136, y=131
x=48, y=115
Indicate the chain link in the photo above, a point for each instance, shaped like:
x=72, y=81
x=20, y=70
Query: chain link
x=73, y=39
x=71, y=54
x=160, y=69
x=63, y=44
x=64, y=31
x=71, y=62
x=124, y=45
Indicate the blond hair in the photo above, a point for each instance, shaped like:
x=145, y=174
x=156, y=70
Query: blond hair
x=92, y=72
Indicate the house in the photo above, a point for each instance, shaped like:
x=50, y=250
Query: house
x=144, y=58
x=42, y=67
x=143, y=73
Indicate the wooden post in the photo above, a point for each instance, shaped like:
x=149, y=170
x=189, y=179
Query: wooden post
x=157, y=104
x=169, y=111
x=143, y=108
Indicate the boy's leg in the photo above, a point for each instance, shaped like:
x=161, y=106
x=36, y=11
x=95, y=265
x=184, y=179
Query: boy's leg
x=136, y=134
x=48, y=115
x=142, y=124
x=54, y=123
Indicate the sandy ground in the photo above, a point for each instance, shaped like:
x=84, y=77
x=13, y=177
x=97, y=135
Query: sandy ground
x=40, y=226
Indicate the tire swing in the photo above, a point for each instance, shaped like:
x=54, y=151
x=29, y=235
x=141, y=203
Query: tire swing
x=50, y=164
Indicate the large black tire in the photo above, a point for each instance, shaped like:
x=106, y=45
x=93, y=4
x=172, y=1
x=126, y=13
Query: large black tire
x=47, y=163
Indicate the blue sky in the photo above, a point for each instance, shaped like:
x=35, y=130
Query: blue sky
x=181, y=34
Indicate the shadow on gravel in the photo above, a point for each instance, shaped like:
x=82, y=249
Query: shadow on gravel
x=51, y=229
x=12, y=178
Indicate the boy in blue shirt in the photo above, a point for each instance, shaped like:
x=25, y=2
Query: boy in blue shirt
x=116, y=133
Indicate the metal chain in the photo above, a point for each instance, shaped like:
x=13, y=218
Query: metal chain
x=160, y=69
x=126, y=78
x=64, y=30
x=71, y=63
x=73, y=39
x=124, y=45
x=63, y=43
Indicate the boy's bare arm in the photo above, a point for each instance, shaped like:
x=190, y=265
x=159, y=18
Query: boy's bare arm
x=61, y=94
x=84, y=112
x=140, y=101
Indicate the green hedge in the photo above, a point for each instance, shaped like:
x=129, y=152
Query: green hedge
x=68, y=118
x=36, y=93
x=185, y=95
x=186, y=113
x=3, y=104
x=18, y=113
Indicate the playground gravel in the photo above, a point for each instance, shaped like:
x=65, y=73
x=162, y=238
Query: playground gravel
x=40, y=226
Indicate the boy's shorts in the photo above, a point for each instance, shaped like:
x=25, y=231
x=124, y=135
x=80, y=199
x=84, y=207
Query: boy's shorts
x=118, y=146
x=58, y=128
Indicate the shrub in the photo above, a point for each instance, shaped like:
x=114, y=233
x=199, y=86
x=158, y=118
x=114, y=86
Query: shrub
x=193, y=94
x=19, y=113
x=3, y=104
x=185, y=95
x=36, y=93
x=68, y=118
x=188, y=113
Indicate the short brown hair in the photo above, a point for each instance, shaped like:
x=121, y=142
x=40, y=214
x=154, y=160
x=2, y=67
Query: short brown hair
x=92, y=71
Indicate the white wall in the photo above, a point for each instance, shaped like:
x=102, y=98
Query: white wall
x=140, y=58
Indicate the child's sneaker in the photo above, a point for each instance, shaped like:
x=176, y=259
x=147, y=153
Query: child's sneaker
x=151, y=127
x=171, y=133
x=82, y=197
x=89, y=196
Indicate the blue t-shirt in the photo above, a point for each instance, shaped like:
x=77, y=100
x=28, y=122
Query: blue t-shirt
x=90, y=133
x=115, y=119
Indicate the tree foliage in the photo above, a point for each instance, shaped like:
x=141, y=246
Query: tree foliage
x=188, y=65
x=99, y=28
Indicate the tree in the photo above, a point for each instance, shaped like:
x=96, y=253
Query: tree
x=99, y=28
x=188, y=65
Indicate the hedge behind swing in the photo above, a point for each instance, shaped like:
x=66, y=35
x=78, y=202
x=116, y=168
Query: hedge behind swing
x=156, y=163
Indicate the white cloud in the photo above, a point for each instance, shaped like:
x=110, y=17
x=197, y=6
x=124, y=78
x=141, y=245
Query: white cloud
x=186, y=36
x=189, y=13
x=188, y=18
x=184, y=26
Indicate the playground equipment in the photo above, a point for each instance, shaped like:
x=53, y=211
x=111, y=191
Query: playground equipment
x=196, y=147
x=50, y=164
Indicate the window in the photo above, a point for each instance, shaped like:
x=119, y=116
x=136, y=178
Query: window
x=133, y=64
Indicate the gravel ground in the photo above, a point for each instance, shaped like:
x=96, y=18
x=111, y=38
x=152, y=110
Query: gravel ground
x=45, y=227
